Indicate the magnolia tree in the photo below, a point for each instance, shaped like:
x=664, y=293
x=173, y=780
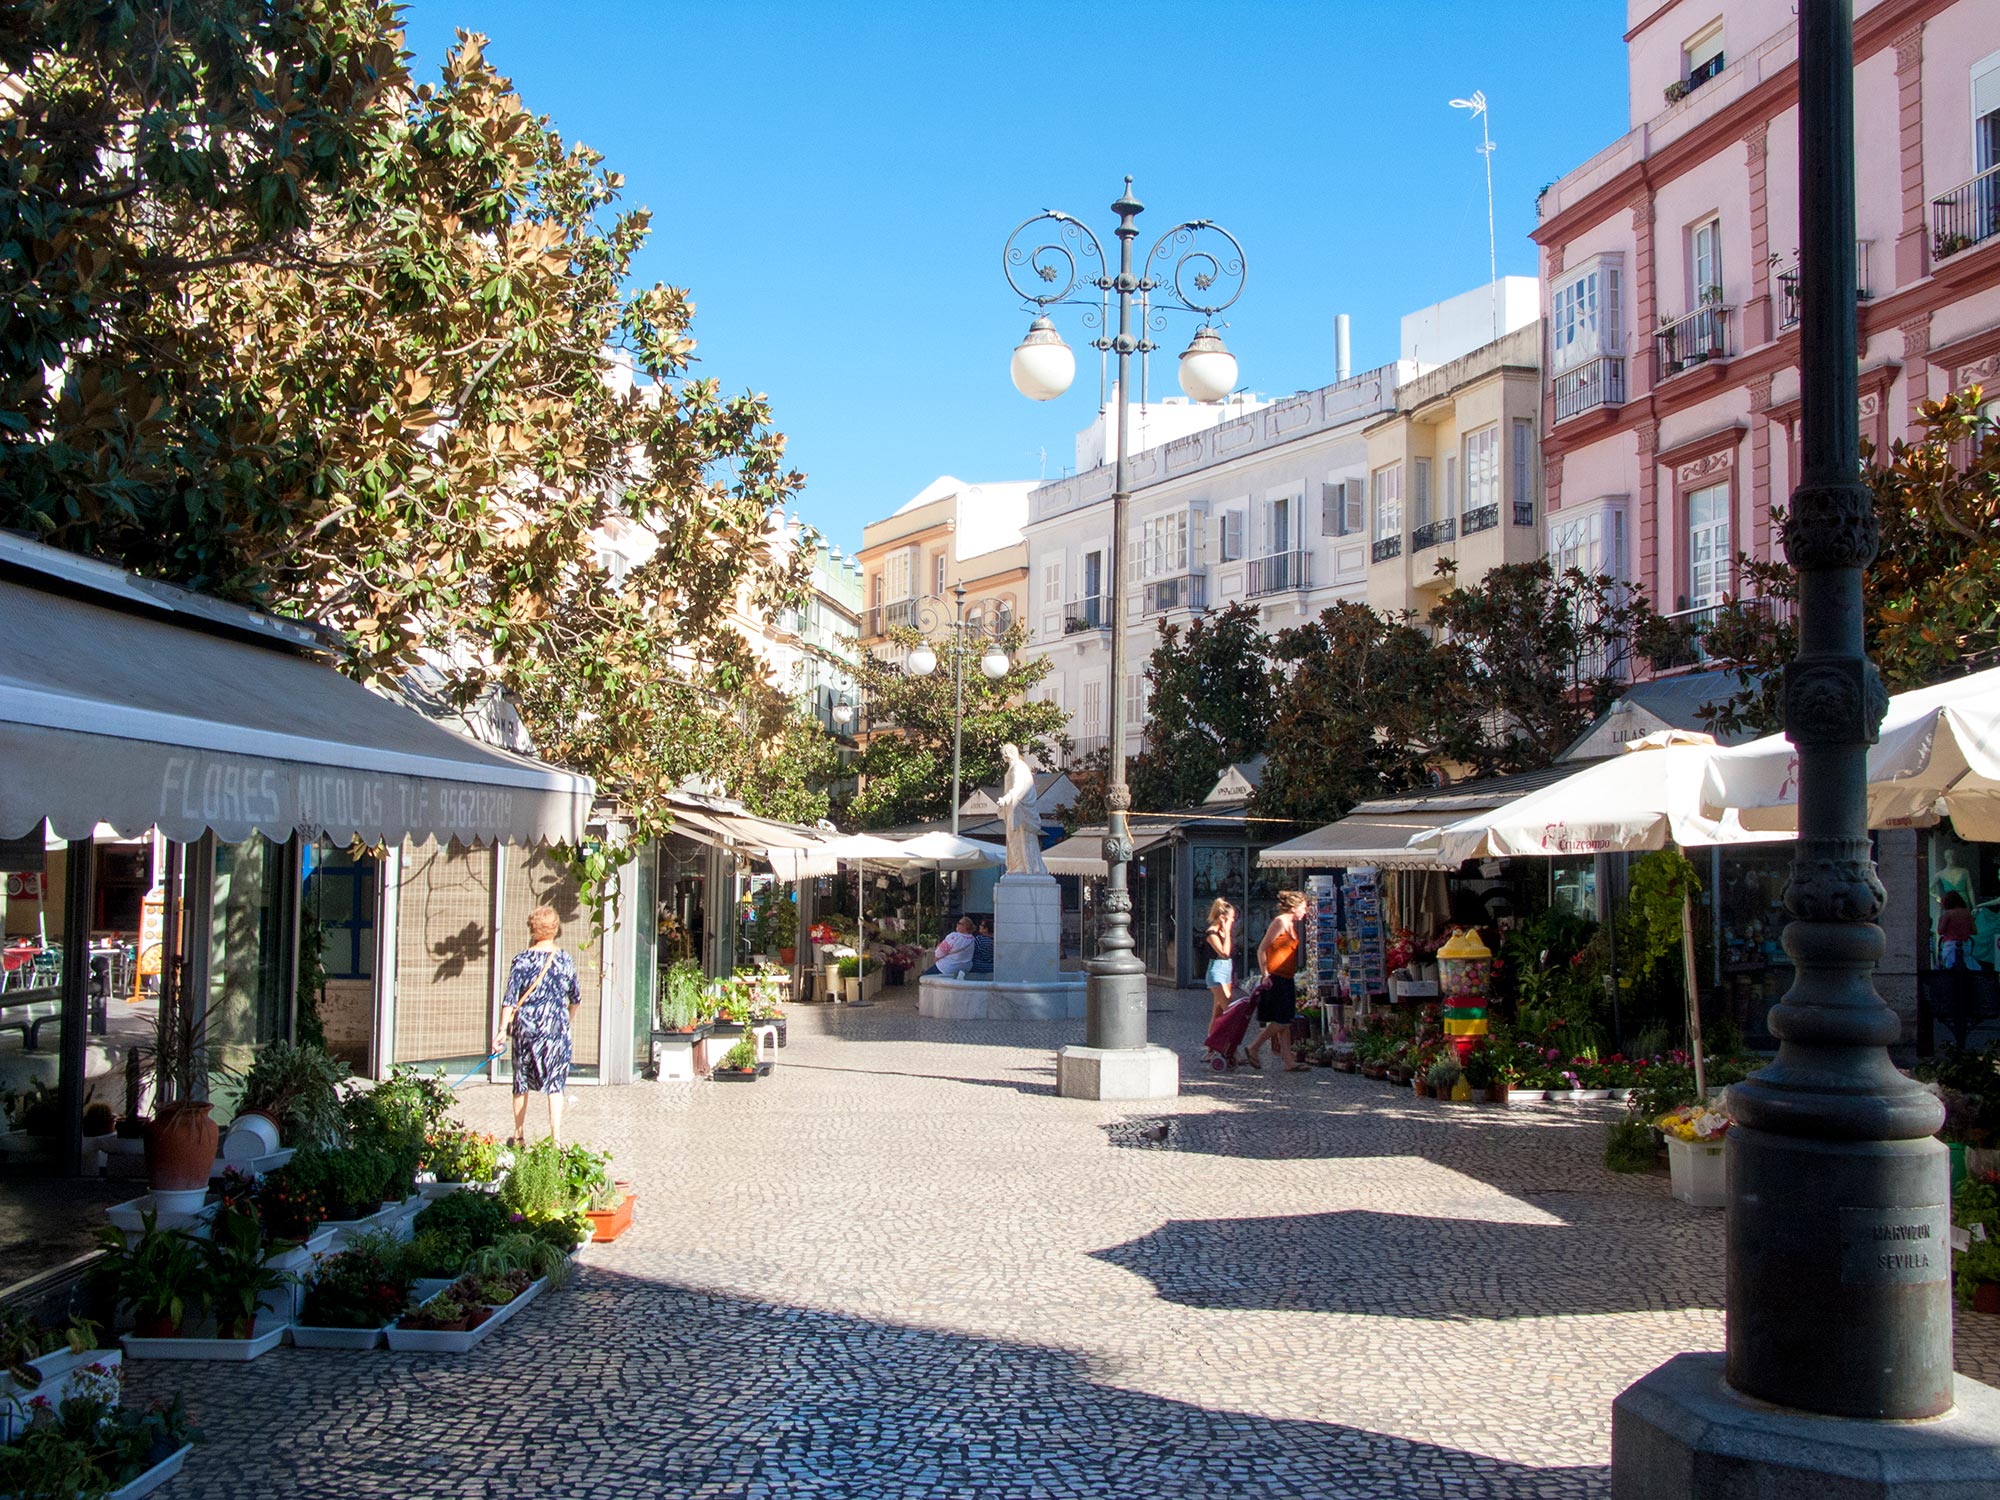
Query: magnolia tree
x=285, y=324
x=905, y=767
x=1931, y=598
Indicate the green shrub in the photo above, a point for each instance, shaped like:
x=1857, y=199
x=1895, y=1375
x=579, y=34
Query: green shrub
x=742, y=1056
x=477, y=1218
x=434, y=1253
x=1632, y=1145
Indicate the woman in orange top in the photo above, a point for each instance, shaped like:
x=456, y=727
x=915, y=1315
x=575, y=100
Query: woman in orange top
x=1278, y=1006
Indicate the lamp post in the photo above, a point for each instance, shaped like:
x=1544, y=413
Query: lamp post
x=1053, y=259
x=989, y=627
x=1838, y=1228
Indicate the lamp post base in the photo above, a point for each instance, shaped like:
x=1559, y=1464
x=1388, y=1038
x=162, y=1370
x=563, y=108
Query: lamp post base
x=1117, y=1073
x=1681, y=1433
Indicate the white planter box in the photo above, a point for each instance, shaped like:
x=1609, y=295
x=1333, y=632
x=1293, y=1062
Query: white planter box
x=1567, y=1096
x=55, y=1370
x=424, y=1341
x=284, y=1302
x=266, y=1335
x=1591, y=1096
x=304, y=1337
x=129, y=1217
x=154, y=1477
x=1521, y=1098
x=383, y=1218
x=1700, y=1171
x=872, y=981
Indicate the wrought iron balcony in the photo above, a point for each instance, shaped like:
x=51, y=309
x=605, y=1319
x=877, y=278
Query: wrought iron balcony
x=902, y=612
x=1385, y=548
x=1481, y=518
x=1431, y=535
x=1594, y=383
x=1082, y=747
x=1692, y=339
x=1187, y=591
x=1277, y=573
x=1967, y=215
x=1092, y=613
x=1788, y=286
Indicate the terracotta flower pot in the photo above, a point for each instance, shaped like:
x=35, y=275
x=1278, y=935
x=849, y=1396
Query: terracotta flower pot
x=1986, y=1297
x=1421, y=1089
x=788, y=956
x=156, y=1326
x=181, y=1157
x=612, y=1222
x=1497, y=1094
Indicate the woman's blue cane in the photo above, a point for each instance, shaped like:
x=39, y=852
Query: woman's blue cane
x=477, y=1066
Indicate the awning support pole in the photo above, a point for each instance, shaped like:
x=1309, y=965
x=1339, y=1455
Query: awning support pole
x=79, y=881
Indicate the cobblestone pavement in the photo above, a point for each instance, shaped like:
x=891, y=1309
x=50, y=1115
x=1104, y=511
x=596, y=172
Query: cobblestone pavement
x=900, y=1267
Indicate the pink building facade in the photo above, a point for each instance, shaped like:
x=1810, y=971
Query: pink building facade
x=1668, y=271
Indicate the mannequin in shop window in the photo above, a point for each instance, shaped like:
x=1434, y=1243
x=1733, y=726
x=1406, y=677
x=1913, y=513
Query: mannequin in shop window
x=1954, y=878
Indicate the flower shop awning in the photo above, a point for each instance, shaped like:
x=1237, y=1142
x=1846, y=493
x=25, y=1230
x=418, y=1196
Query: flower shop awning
x=793, y=851
x=948, y=851
x=1384, y=830
x=1938, y=754
x=129, y=703
x=1645, y=798
x=1083, y=853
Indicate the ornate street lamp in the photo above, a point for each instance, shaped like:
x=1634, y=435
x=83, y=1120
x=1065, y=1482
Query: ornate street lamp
x=989, y=624
x=1051, y=260
x=1838, y=1229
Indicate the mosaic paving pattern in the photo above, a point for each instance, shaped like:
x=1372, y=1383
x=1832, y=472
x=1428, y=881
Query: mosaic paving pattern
x=901, y=1268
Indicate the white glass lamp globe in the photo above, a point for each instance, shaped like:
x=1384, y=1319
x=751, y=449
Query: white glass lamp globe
x=923, y=662
x=843, y=714
x=1208, y=370
x=994, y=663
x=1043, y=365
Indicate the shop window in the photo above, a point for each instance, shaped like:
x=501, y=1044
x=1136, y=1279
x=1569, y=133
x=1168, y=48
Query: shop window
x=340, y=894
x=250, y=917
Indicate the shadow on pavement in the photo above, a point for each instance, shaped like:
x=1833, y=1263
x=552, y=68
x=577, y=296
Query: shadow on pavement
x=1404, y=1266
x=623, y=1386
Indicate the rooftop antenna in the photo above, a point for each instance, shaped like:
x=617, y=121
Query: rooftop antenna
x=1477, y=104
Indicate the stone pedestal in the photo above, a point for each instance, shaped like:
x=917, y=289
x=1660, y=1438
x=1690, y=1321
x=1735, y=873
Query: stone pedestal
x=1681, y=1433
x=1027, y=929
x=1117, y=1073
x=1000, y=999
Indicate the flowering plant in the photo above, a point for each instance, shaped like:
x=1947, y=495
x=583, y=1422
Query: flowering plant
x=1695, y=1122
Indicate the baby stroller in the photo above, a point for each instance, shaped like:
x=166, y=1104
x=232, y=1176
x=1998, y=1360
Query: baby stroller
x=1227, y=1034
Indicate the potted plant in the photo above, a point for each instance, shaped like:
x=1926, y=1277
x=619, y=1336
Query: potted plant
x=680, y=1007
x=1696, y=1155
x=1444, y=1077
x=353, y=1296
x=848, y=972
x=180, y=1152
x=442, y=1313
x=785, y=929
x=92, y=1444
x=739, y=1064
x=238, y=1278
x=288, y=1096
x=162, y=1277
x=1482, y=1073
x=460, y=1158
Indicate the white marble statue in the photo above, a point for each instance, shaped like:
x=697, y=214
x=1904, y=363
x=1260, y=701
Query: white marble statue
x=1024, y=823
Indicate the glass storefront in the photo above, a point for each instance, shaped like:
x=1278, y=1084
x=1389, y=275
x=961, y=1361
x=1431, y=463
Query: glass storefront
x=251, y=914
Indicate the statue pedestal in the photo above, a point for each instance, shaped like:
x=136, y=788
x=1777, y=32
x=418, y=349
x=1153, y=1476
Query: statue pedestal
x=1027, y=929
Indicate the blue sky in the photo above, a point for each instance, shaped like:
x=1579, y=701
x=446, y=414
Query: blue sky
x=834, y=182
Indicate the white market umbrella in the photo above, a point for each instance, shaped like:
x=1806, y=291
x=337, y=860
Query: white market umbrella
x=1646, y=798
x=1938, y=754
x=861, y=850
x=939, y=850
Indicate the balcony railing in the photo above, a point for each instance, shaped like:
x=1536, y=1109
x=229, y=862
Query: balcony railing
x=1682, y=639
x=1189, y=591
x=1277, y=573
x=1524, y=512
x=1594, y=383
x=1433, y=534
x=1690, y=340
x=1967, y=215
x=1093, y=613
x=1481, y=518
x=1788, y=286
x=1385, y=548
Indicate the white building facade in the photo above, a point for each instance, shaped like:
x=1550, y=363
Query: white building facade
x=1271, y=506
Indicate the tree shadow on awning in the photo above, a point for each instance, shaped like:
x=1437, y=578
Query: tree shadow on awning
x=1406, y=1266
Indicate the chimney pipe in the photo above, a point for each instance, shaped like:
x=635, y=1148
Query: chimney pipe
x=1340, y=369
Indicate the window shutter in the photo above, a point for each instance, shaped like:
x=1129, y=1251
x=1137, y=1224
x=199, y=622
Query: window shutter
x=1232, y=535
x=1332, y=513
x=1351, y=522
x=1420, y=496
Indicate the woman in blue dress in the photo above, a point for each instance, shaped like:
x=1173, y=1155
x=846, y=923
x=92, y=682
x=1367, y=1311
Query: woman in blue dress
x=542, y=997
